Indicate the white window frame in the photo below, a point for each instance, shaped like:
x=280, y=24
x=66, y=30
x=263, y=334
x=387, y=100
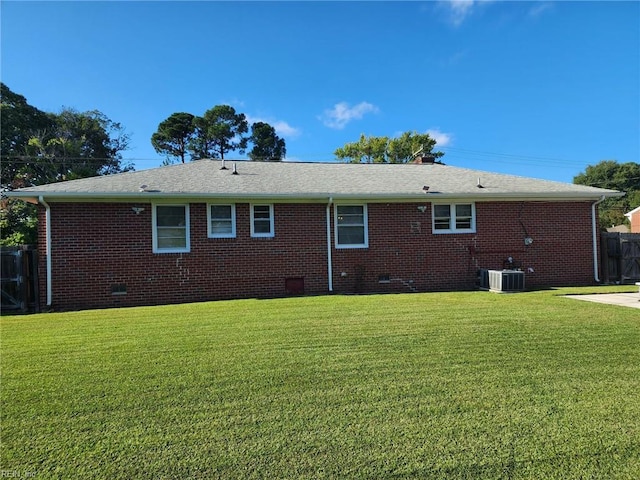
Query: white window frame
x=452, y=219
x=271, y=232
x=210, y=232
x=365, y=225
x=187, y=227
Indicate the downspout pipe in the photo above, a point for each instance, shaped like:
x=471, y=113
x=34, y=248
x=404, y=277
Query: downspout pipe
x=47, y=210
x=329, y=257
x=594, y=228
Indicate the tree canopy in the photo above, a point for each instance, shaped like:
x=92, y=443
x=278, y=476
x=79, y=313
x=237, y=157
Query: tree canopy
x=267, y=146
x=40, y=147
x=219, y=131
x=19, y=121
x=610, y=174
x=77, y=145
x=400, y=149
x=174, y=135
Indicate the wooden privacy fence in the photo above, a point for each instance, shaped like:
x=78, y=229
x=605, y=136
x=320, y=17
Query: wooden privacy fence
x=620, y=257
x=19, y=280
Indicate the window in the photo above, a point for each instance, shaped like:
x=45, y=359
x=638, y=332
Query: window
x=441, y=217
x=262, y=221
x=171, y=228
x=222, y=221
x=464, y=217
x=454, y=218
x=351, y=226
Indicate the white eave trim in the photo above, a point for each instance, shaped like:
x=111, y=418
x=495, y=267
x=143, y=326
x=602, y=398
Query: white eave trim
x=632, y=212
x=96, y=197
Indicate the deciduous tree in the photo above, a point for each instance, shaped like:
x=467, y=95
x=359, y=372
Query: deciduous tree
x=401, y=149
x=78, y=145
x=39, y=147
x=19, y=121
x=365, y=150
x=624, y=177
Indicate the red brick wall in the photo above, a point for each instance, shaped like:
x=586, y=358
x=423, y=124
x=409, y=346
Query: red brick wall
x=635, y=223
x=96, y=246
x=561, y=252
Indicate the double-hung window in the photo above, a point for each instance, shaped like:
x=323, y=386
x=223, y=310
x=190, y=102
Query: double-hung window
x=262, y=221
x=351, y=226
x=171, y=228
x=221, y=220
x=454, y=218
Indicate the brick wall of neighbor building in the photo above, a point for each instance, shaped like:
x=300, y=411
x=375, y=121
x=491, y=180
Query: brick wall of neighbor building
x=635, y=222
x=100, y=250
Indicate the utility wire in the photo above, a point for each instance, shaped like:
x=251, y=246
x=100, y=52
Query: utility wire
x=451, y=153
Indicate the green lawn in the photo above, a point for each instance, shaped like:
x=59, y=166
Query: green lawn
x=440, y=385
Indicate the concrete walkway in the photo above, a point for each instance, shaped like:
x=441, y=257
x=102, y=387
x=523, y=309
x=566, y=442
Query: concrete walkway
x=624, y=299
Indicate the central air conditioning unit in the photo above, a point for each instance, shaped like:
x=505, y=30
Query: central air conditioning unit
x=506, y=281
x=501, y=280
x=483, y=279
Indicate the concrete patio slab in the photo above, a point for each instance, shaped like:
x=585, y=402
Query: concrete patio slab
x=623, y=299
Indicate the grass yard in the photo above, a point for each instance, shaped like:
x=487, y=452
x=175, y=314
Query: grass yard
x=440, y=385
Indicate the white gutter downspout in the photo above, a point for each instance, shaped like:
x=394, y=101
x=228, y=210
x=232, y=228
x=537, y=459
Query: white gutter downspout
x=596, y=275
x=329, y=259
x=47, y=217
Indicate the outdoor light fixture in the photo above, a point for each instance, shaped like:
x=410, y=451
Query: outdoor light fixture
x=137, y=210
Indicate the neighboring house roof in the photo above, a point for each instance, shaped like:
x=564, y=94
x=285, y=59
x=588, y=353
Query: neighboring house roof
x=632, y=212
x=311, y=182
x=618, y=229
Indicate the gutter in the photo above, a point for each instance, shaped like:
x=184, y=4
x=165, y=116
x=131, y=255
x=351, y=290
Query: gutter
x=47, y=210
x=418, y=196
x=329, y=258
x=596, y=274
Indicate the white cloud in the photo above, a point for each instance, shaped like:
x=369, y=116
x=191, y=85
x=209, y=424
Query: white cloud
x=456, y=58
x=539, y=8
x=234, y=102
x=282, y=128
x=460, y=10
x=342, y=113
x=442, y=139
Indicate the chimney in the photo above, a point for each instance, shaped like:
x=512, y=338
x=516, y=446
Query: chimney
x=426, y=159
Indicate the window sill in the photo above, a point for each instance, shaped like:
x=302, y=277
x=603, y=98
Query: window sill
x=450, y=232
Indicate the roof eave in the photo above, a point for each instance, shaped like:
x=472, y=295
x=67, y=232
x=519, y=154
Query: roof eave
x=311, y=197
x=632, y=212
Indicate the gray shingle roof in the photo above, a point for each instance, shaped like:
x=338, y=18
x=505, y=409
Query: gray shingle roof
x=311, y=181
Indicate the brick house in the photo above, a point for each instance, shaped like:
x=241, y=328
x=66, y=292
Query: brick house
x=202, y=231
x=634, y=219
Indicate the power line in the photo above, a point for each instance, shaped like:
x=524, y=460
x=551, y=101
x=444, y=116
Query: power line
x=450, y=153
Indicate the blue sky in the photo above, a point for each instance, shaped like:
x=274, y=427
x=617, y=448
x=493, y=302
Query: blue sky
x=539, y=89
